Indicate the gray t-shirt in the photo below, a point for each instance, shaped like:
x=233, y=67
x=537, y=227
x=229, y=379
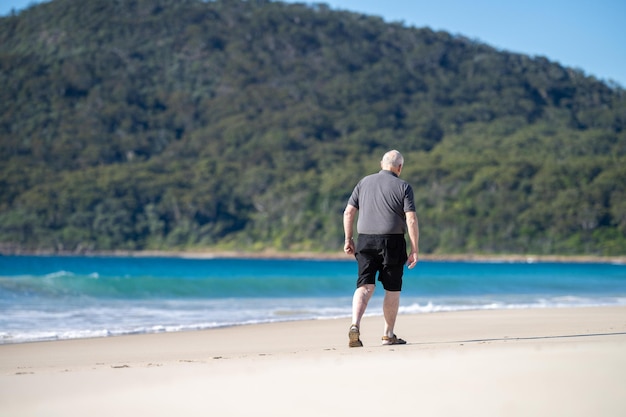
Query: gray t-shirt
x=382, y=199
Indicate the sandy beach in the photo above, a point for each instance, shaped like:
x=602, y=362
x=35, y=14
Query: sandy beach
x=336, y=255
x=539, y=362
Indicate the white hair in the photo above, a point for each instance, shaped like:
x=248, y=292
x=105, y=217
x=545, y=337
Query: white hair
x=392, y=159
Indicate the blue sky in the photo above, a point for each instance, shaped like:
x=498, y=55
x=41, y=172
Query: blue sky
x=589, y=35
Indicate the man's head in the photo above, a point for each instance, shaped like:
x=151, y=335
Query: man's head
x=392, y=161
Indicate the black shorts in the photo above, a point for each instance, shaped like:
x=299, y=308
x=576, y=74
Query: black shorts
x=382, y=254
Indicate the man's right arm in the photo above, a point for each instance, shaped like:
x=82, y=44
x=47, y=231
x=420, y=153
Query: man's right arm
x=348, y=228
x=414, y=235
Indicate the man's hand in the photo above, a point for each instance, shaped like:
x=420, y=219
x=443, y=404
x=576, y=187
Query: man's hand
x=412, y=261
x=348, y=247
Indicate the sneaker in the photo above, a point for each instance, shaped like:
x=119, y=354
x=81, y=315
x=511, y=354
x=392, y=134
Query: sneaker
x=353, y=335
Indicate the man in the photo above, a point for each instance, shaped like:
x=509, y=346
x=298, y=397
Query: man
x=386, y=208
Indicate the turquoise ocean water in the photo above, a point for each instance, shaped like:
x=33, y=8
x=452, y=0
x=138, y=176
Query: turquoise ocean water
x=49, y=298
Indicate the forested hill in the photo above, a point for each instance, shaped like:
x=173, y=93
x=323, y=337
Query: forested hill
x=176, y=124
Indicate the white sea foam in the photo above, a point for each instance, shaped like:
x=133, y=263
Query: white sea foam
x=120, y=318
x=59, y=274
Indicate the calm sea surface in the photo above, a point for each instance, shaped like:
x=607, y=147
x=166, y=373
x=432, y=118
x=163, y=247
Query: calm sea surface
x=47, y=297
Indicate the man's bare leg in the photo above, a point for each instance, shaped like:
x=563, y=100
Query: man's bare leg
x=361, y=298
x=391, y=304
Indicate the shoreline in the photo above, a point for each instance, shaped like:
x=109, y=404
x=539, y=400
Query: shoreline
x=308, y=255
x=442, y=328
x=491, y=363
x=370, y=316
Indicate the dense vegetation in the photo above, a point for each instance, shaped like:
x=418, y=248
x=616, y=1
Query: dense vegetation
x=174, y=124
